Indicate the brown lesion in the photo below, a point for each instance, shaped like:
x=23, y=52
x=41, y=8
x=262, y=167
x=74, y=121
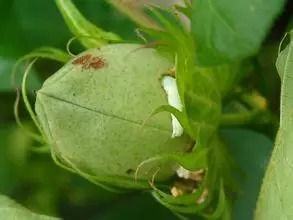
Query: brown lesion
x=97, y=63
x=83, y=60
x=88, y=61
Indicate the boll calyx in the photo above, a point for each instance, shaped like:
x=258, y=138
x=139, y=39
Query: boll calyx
x=96, y=113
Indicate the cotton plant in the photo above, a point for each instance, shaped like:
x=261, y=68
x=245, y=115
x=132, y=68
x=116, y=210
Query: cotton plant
x=129, y=116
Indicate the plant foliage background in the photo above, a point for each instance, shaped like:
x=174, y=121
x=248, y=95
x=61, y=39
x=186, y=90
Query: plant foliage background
x=34, y=181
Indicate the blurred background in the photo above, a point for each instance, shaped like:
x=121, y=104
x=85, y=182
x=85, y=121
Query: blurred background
x=31, y=178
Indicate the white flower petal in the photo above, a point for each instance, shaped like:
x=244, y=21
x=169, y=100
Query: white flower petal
x=182, y=172
x=170, y=86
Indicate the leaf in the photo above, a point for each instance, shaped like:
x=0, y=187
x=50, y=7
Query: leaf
x=135, y=12
x=229, y=30
x=252, y=151
x=22, y=32
x=226, y=76
x=8, y=170
x=275, y=200
x=200, y=93
x=140, y=206
x=202, y=102
x=6, y=83
x=11, y=210
x=198, y=89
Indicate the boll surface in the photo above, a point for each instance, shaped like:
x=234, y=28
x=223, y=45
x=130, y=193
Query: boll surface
x=96, y=114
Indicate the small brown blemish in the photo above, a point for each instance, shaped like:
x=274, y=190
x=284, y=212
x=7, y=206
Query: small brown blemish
x=97, y=63
x=89, y=61
x=83, y=60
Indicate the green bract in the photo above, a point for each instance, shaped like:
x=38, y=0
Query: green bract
x=96, y=113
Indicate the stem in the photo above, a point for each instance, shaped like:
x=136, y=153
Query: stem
x=86, y=32
x=254, y=101
x=30, y=134
x=26, y=101
x=40, y=149
x=236, y=119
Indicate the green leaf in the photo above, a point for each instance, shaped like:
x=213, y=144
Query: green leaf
x=200, y=93
x=135, y=12
x=251, y=150
x=6, y=80
x=275, y=199
x=202, y=102
x=8, y=170
x=10, y=210
x=226, y=76
x=140, y=206
x=198, y=89
x=231, y=30
x=22, y=32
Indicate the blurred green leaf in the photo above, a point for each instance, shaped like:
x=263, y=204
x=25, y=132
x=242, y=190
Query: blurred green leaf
x=8, y=170
x=11, y=210
x=227, y=76
x=231, y=30
x=141, y=206
x=135, y=11
x=29, y=25
x=275, y=199
x=251, y=150
x=24, y=33
x=267, y=79
x=6, y=83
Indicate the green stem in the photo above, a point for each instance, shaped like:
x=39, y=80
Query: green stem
x=34, y=136
x=40, y=149
x=236, y=119
x=252, y=102
x=26, y=101
x=86, y=32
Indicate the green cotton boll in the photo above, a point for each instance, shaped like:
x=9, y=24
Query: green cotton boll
x=96, y=113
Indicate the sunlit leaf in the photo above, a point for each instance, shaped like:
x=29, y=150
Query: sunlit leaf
x=231, y=30
x=252, y=151
x=275, y=199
